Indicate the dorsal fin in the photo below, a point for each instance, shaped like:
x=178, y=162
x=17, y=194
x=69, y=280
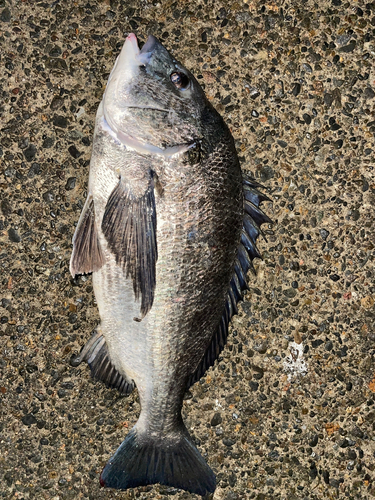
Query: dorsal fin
x=254, y=217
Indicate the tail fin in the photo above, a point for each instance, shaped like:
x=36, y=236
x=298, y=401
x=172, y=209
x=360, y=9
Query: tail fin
x=171, y=460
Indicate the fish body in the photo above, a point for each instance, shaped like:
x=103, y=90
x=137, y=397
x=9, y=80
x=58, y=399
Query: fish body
x=163, y=231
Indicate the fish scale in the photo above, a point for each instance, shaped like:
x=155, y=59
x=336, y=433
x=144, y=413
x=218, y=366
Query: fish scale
x=168, y=231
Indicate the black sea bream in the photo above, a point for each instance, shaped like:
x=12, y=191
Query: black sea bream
x=168, y=231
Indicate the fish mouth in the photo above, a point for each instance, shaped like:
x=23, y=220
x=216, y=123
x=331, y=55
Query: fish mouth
x=147, y=49
x=131, y=51
x=130, y=60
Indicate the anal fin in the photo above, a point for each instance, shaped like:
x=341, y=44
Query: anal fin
x=95, y=353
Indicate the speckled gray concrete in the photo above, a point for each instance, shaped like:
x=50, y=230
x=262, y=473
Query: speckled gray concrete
x=288, y=412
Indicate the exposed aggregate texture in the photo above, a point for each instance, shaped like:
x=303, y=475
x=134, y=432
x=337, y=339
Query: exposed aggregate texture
x=288, y=411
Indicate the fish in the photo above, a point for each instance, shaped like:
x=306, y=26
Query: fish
x=168, y=231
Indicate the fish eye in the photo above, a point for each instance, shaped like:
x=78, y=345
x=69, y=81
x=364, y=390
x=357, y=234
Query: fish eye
x=180, y=80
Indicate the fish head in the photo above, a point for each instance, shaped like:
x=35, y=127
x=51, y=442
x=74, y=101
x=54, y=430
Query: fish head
x=152, y=103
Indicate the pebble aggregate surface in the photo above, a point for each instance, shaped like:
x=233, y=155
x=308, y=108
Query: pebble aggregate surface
x=288, y=411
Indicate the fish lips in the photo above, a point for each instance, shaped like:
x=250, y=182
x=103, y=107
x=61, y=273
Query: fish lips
x=131, y=51
x=148, y=49
x=131, y=57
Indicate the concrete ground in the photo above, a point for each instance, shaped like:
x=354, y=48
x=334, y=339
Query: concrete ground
x=288, y=412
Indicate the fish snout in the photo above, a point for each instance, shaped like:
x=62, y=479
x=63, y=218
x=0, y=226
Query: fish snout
x=131, y=56
x=147, y=50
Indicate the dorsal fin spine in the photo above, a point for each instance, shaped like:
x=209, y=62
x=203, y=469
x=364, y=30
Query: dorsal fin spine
x=233, y=302
x=253, y=218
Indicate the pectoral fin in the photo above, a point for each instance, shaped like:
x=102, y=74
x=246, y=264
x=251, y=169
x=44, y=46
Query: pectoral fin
x=129, y=226
x=87, y=256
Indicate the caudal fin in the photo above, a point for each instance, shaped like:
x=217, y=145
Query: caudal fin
x=171, y=460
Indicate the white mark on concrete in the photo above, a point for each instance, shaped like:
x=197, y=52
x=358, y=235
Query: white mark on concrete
x=80, y=112
x=295, y=365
